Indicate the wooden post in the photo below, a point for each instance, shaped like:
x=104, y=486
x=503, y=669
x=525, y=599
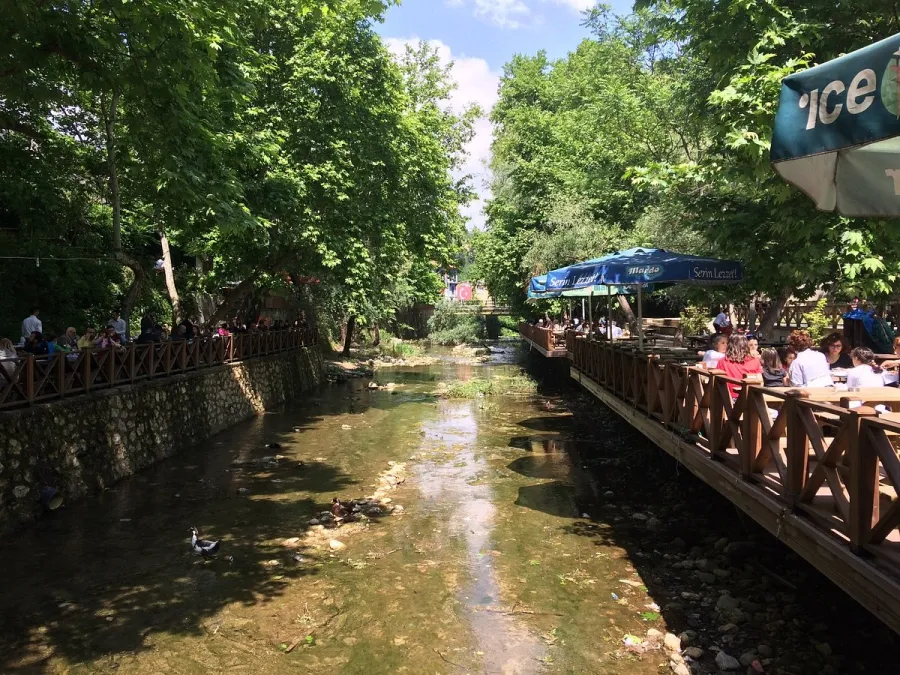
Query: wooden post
x=86, y=359
x=61, y=374
x=131, y=362
x=716, y=410
x=864, y=477
x=29, y=378
x=797, y=446
x=751, y=430
x=111, y=367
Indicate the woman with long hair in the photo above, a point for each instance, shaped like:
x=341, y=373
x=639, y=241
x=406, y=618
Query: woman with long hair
x=865, y=372
x=810, y=368
x=773, y=372
x=738, y=362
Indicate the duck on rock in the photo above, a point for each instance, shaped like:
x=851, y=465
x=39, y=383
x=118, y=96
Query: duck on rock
x=203, y=547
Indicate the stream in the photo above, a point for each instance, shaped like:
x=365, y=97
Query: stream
x=524, y=531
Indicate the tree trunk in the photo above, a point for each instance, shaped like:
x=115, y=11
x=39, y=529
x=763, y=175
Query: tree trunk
x=170, y=278
x=348, y=338
x=376, y=335
x=629, y=314
x=116, y=201
x=237, y=294
x=774, y=311
x=751, y=317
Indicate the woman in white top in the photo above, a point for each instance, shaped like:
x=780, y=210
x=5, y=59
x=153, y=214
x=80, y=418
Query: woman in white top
x=810, y=368
x=716, y=351
x=865, y=371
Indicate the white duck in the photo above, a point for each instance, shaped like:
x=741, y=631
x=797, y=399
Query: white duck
x=203, y=547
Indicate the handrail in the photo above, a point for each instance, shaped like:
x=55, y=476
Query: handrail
x=542, y=337
x=29, y=380
x=836, y=464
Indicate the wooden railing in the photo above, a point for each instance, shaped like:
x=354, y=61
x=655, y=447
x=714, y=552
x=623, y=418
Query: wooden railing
x=542, y=337
x=28, y=380
x=836, y=464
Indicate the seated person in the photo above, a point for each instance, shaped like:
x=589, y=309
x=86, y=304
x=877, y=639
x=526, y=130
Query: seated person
x=86, y=341
x=737, y=362
x=717, y=347
x=836, y=351
x=865, y=371
x=810, y=368
x=773, y=372
x=36, y=344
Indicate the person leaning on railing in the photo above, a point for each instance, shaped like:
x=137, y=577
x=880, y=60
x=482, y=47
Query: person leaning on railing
x=891, y=367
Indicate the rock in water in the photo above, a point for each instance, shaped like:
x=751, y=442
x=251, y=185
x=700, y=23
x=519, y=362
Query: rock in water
x=726, y=662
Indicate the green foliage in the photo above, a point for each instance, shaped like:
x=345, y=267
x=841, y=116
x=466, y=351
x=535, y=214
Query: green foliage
x=477, y=387
x=261, y=138
x=399, y=349
x=451, y=326
x=818, y=323
x=694, y=320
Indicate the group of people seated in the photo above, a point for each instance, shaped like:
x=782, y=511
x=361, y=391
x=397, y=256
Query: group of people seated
x=597, y=328
x=35, y=342
x=800, y=363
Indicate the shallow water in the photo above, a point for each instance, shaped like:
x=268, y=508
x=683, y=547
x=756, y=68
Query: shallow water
x=507, y=557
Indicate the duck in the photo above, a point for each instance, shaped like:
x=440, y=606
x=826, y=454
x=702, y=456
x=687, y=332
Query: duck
x=203, y=547
x=338, y=510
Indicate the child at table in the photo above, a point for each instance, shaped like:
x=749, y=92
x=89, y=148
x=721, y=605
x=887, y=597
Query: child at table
x=865, y=372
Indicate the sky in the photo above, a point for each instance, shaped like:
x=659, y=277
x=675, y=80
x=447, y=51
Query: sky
x=479, y=37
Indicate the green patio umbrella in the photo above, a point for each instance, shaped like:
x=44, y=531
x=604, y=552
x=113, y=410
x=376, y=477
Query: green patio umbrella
x=837, y=128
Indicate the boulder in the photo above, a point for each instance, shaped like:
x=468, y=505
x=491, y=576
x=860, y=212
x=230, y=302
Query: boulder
x=726, y=662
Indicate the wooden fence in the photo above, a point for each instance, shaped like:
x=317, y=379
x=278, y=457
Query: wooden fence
x=835, y=464
x=541, y=337
x=34, y=379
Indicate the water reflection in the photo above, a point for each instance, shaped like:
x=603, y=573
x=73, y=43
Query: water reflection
x=456, y=489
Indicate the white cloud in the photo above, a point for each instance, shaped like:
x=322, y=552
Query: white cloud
x=502, y=13
x=476, y=83
x=515, y=13
x=577, y=5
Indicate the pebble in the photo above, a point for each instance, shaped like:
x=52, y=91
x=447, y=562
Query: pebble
x=672, y=643
x=747, y=658
x=241, y=491
x=721, y=544
x=706, y=577
x=824, y=648
x=677, y=544
x=727, y=603
x=722, y=574
x=337, y=545
x=609, y=494
x=314, y=521
x=765, y=651
x=694, y=652
x=639, y=516
x=726, y=662
x=728, y=628
x=654, y=636
x=652, y=523
x=688, y=637
x=398, y=509
x=680, y=669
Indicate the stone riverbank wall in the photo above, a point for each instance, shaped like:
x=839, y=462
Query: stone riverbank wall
x=83, y=444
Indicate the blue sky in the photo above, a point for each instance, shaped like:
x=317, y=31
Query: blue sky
x=479, y=36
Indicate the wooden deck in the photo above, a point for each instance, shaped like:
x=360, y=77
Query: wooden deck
x=819, y=474
x=541, y=340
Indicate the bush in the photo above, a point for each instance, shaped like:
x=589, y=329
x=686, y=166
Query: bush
x=476, y=387
x=818, y=323
x=450, y=326
x=694, y=320
x=399, y=349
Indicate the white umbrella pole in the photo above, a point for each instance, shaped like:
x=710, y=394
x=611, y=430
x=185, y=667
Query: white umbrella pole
x=582, y=310
x=591, y=314
x=640, y=320
x=609, y=331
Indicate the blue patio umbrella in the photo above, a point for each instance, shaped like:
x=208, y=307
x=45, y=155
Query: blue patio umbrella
x=641, y=267
x=837, y=128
